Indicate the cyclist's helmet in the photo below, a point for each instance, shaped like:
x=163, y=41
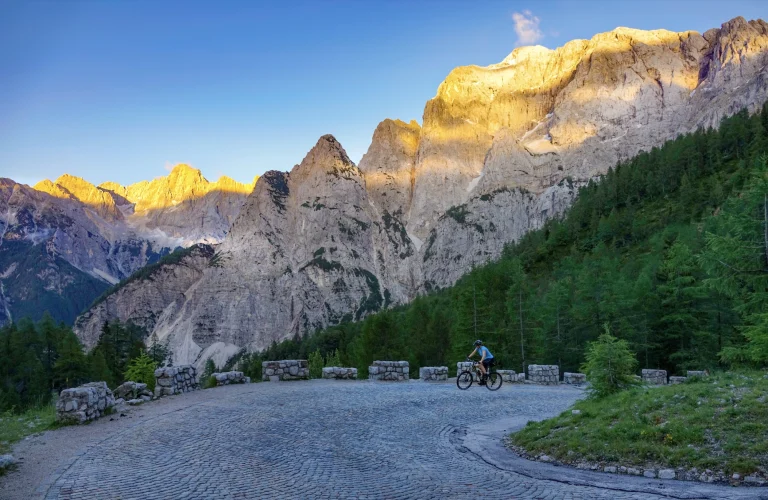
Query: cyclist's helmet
x=478, y=342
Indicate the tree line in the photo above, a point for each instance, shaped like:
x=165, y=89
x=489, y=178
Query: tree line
x=37, y=360
x=669, y=250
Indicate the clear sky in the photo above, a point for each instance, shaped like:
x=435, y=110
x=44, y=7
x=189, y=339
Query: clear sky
x=121, y=90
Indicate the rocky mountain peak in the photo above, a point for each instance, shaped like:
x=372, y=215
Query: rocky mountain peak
x=389, y=164
x=99, y=200
x=327, y=156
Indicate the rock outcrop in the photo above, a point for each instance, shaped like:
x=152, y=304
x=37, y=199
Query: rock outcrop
x=502, y=149
x=144, y=301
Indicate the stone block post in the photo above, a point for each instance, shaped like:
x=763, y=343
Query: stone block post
x=287, y=369
x=544, y=374
x=81, y=404
x=433, y=373
x=654, y=377
x=389, y=370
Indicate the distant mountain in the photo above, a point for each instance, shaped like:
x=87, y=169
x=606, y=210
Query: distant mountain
x=502, y=149
x=63, y=243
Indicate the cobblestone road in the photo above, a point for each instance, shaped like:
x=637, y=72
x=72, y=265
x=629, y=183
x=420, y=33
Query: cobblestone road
x=320, y=439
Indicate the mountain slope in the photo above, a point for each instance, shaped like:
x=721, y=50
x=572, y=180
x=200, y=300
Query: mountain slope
x=502, y=150
x=98, y=235
x=667, y=251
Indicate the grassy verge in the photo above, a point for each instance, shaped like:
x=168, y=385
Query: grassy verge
x=718, y=423
x=14, y=427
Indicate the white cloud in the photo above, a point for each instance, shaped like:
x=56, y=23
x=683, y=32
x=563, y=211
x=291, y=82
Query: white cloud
x=527, y=28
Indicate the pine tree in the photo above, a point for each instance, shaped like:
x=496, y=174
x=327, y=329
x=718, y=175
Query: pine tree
x=97, y=368
x=142, y=369
x=71, y=368
x=517, y=308
x=683, y=318
x=736, y=256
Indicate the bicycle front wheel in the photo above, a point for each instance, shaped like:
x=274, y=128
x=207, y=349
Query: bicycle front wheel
x=494, y=382
x=464, y=380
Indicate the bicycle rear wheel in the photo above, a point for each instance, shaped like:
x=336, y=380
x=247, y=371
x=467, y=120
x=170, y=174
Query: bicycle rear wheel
x=494, y=381
x=464, y=380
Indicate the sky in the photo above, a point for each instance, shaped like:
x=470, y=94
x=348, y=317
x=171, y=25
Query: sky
x=122, y=91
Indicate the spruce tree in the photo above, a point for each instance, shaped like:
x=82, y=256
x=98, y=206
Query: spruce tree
x=71, y=368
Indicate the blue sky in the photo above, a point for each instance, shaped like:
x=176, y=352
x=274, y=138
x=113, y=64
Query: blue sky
x=121, y=90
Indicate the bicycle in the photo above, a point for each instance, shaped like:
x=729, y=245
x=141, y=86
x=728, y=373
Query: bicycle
x=465, y=378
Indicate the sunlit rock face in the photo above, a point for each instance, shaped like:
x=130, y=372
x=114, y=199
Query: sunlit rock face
x=183, y=205
x=94, y=236
x=543, y=115
x=502, y=149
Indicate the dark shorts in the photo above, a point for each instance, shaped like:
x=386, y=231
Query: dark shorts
x=487, y=363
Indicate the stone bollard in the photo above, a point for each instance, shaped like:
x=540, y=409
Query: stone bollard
x=389, y=370
x=226, y=378
x=287, y=369
x=466, y=366
x=544, y=374
x=339, y=373
x=677, y=380
x=433, y=373
x=509, y=376
x=654, y=377
x=175, y=380
x=574, y=378
x=133, y=392
x=87, y=402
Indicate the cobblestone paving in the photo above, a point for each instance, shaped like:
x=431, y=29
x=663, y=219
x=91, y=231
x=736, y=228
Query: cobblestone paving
x=320, y=439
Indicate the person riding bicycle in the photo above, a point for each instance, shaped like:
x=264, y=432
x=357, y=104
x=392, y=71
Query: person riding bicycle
x=486, y=359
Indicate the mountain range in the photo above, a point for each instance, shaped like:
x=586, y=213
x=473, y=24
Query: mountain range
x=501, y=150
x=64, y=242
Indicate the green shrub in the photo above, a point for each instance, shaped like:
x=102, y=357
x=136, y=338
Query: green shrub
x=210, y=369
x=315, y=364
x=333, y=359
x=210, y=382
x=610, y=365
x=142, y=369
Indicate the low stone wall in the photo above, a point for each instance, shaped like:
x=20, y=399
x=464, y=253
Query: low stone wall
x=339, y=373
x=511, y=377
x=87, y=402
x=226, y=378
x=433, y=373
x=677, y=380
x=654, y=377
x=544, y=374
x=287, y=369
x=698, y=373
x=175, y=380
x=574, y=378
x=133, y=393
x=389, y=370
x=465, y=366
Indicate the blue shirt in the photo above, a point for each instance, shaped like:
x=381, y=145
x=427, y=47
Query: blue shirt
x=482, y=349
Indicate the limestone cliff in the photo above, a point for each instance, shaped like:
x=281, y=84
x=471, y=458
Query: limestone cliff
x=543, y=115
x=502, y=149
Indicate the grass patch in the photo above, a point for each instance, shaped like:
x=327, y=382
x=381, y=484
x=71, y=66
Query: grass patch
x=16, y=426
x=719, y=423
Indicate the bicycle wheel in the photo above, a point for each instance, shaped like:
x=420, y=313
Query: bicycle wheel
x=494, y=381
x=464, y=380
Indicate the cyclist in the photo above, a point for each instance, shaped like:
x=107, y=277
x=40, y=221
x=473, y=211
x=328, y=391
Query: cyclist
x=486, y=359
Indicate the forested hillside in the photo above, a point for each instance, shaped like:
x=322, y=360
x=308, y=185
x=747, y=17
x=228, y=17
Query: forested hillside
x=669, y=249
